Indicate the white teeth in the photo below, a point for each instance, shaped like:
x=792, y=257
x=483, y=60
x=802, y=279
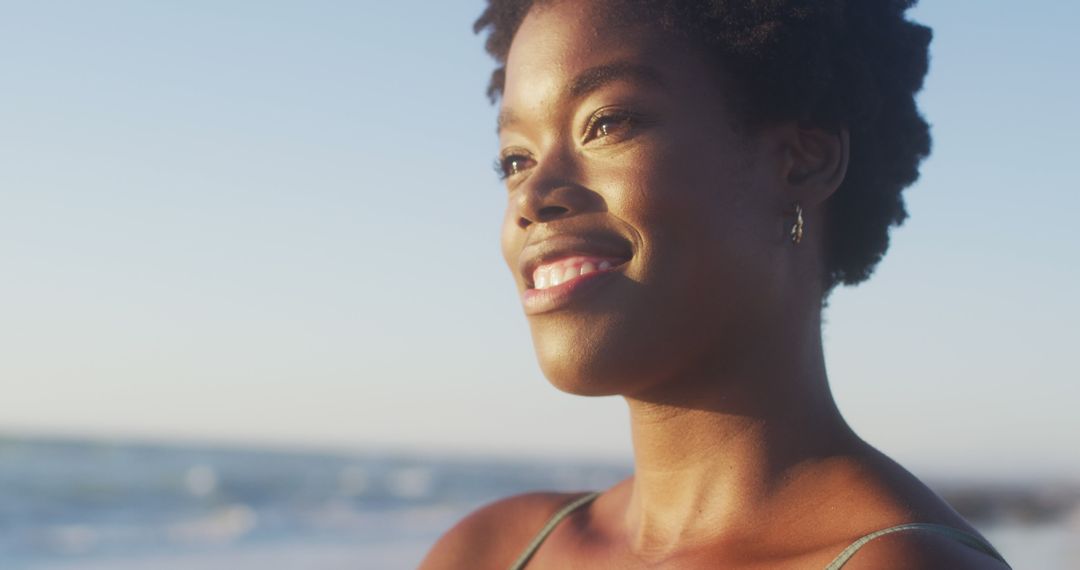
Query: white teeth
x=545, y=277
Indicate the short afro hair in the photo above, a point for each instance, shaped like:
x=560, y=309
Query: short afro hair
x=854, y=64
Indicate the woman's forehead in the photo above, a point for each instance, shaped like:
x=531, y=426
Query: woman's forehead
x=561, y=53
x=569, y=30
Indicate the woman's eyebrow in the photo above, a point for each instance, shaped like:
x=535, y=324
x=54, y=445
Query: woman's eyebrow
x=594, y=78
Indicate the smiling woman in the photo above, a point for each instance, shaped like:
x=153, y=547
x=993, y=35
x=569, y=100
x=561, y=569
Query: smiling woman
x=687, y=182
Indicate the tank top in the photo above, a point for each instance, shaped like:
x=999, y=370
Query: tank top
x=837, y=563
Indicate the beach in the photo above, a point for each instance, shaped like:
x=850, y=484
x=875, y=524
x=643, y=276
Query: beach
x=81, y=505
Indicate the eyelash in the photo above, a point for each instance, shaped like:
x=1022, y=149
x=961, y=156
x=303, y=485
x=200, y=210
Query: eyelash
x=620, y=116
x=504, y=165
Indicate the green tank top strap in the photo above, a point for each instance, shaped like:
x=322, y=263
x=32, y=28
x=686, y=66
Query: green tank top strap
x=955, y=534
x=837, y=563
x=553, y=522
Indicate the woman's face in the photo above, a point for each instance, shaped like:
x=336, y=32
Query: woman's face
x=645, y=234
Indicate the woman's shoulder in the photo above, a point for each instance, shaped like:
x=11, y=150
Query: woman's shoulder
x=494, y=535
x=900, y=522
x=919, y=549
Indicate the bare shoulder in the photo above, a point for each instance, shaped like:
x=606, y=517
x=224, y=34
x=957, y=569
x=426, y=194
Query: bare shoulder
x=890, y=495
x=924, y=550
x=494, y=535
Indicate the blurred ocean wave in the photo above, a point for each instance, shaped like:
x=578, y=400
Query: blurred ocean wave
x=79, y=505
x=83, y=505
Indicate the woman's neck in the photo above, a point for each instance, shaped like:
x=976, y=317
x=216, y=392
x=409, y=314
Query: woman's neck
x=718, y=454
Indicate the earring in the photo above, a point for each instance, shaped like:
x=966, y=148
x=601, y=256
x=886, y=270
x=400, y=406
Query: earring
x=797, y=228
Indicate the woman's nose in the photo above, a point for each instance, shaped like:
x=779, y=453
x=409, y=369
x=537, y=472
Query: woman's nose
x=540, y=208
x=551, y=192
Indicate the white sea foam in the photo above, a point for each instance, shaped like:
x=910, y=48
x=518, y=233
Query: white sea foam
x=201, y=480
x=411, y=482
x=221, y=526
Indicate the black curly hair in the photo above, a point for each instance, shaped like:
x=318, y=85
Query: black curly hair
x=854, y=64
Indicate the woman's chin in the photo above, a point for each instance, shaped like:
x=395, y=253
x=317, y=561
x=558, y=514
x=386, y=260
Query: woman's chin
x=586, y=369
x=581, y=386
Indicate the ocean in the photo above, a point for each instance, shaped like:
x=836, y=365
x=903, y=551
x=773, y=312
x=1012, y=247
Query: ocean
x=80, y=505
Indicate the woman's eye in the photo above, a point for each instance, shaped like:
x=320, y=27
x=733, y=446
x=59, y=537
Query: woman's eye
x=608, y=124
x=512, y=164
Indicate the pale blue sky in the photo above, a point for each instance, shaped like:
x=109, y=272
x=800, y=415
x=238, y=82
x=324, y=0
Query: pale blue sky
x=275, y=222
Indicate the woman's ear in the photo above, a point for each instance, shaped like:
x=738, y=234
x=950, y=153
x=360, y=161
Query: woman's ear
x=815, y=161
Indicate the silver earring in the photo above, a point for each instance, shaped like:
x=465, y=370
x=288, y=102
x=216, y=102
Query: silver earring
x=797, y=228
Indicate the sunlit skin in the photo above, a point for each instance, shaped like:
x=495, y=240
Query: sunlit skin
x=707, y=324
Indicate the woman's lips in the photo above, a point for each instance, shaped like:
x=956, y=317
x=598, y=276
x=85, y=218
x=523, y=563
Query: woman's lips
x=560, y=282
x=555, y=273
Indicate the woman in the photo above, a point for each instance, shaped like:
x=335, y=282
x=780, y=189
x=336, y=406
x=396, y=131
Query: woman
x=688, y=180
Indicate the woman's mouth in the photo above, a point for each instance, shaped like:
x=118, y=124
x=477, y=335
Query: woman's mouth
x=560, y=282
x=554, y=274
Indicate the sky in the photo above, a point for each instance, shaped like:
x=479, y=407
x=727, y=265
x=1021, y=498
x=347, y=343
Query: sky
x=276, y=223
